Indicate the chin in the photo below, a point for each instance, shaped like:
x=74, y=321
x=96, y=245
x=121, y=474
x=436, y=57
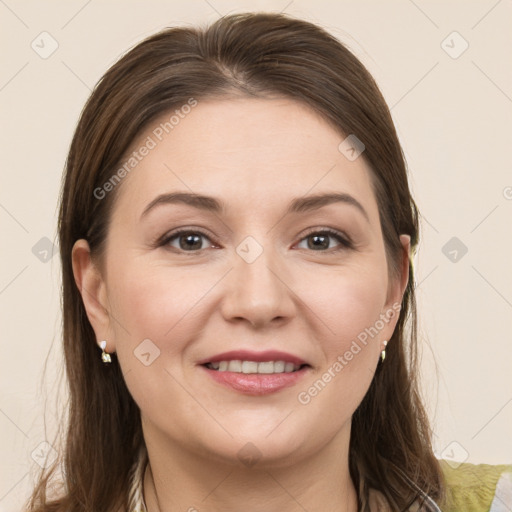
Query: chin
x=255, y=449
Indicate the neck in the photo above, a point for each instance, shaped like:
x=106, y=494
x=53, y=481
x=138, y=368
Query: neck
x=178, y=480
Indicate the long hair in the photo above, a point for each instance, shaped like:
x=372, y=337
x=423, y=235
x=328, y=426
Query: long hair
x=254, y=55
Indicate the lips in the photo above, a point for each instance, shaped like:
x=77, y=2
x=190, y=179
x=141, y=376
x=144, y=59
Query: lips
x=255, y=373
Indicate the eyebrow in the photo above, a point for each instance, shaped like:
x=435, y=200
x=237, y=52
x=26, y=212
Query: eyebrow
x=297, y=205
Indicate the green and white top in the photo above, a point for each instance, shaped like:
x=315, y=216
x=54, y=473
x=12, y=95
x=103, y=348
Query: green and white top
x=470, y=488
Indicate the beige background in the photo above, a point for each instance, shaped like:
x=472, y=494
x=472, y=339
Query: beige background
x=454, y=118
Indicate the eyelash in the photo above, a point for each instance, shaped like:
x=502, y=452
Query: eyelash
x=345, y=242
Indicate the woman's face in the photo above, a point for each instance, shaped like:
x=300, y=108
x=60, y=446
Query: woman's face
x=263, y=272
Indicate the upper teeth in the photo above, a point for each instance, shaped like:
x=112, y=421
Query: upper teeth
x=254, y=367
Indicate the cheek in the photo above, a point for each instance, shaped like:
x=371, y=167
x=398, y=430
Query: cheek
x=350, y=307
x=348, y=302
x=156, y=304
x=156, y=317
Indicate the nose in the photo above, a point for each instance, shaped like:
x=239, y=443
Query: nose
x=257, y=291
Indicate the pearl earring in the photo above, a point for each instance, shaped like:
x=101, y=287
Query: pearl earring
x=383, y=353
x=105, y=356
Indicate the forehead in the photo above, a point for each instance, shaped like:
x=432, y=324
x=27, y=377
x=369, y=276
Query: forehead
x=249, y=152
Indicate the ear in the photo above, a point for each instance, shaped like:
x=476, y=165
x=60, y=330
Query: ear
x=92, y=288
x=405, y=240
x=397, y=288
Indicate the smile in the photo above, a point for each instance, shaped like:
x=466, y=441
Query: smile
x=250, y=367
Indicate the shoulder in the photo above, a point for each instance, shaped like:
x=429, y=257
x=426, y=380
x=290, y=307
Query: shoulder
x=469, y=488
x=477, y=487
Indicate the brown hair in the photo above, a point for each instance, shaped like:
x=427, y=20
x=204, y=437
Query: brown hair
x=253, y=54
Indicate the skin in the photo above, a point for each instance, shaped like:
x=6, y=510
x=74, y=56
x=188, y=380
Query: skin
x=256, y=155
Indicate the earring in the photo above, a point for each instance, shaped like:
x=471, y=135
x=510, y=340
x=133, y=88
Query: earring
x=383, y=353
x=105, y=356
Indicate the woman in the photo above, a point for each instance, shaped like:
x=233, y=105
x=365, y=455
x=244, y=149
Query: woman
x=235, y=231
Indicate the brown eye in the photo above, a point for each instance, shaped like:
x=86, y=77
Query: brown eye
x=186, y=240
x=320, y=241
